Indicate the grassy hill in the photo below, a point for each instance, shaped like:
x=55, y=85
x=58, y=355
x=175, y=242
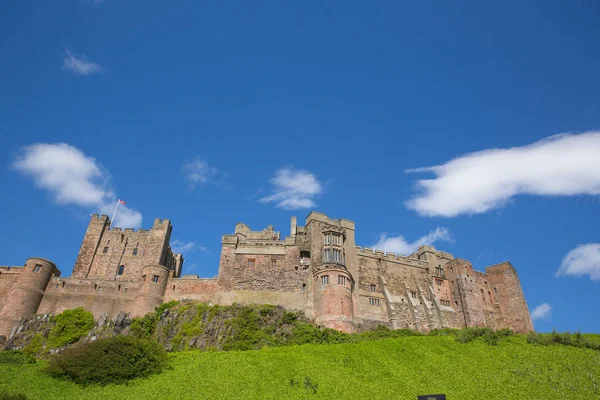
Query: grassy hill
x=397, y=368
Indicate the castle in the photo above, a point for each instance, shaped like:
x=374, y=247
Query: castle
x=317, y=269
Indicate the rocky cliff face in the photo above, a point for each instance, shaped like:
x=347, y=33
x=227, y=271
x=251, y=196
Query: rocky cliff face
x=181, y=326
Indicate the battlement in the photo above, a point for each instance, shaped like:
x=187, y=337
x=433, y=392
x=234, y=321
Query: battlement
x=317, y=216
x=11, y=269
x=99, y=217
x=391, y=257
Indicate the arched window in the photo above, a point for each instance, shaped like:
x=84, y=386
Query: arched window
x=121, y=270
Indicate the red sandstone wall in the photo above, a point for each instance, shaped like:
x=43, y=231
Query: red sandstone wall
x=202, y=290
x=510, y=298
x=8, y=277
x=287, y=276
x=100, y=297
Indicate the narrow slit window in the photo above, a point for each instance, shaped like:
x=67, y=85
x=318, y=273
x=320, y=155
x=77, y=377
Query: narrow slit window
x=155, y=279
x=273, y=263
x=121, y=270
x=135, y=252
x=105, y=250
x=251, y=263
x=37, y=268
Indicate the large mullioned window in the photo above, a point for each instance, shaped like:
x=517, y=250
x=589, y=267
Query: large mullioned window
x=333, y=255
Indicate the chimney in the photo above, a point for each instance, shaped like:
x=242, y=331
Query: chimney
x=293, y=227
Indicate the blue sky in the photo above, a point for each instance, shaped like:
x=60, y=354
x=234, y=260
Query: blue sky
x=212, y=114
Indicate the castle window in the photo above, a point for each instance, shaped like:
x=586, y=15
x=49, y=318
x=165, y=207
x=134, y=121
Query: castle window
x=99, y=289
x=373, y=301
x=155, y=278
x=135, y=252
x=304, y=257
x=342, y=280
x=119, y=288
x=304, y=286
x=325, y=280
x=413, y=295
x=495, y=292
x=251, y=263
x=121, y=270
x=372, y=288
x=63, y=284
x=37, y=268
x=273, y=263
x=332, y=239
x=108, y=242
x=105, y=250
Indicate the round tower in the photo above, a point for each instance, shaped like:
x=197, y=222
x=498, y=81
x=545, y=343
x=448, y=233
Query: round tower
x=332, y=282
x=333, y=299
x=151, y=293
x=26, y=293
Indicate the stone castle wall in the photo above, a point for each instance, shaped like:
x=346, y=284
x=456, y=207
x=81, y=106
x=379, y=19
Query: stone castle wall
x=317, y=269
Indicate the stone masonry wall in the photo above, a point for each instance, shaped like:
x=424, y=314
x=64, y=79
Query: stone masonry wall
x=426, y=290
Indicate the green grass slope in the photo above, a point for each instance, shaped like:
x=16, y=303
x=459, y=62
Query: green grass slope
x=399, y=368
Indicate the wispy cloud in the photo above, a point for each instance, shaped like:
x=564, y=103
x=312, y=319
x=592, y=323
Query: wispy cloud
x=79, y=64
x=293, y=189
x=399, y=245
x=561, y=165
x=198, y=172
x=582, y=260
x=71, y=177
x=541, y=312
x=181, y=247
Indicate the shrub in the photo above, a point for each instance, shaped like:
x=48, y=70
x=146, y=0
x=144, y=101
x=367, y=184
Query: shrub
x=144, y=327
x=15, y=357
x=70, y=326
x=115, y=360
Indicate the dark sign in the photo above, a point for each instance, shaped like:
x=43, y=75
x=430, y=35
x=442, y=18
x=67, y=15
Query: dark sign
x=432, y=397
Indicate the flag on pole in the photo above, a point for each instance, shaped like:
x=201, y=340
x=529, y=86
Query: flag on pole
x=115, y=213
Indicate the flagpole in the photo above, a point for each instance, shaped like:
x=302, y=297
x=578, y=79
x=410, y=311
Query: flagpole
x=114, y=213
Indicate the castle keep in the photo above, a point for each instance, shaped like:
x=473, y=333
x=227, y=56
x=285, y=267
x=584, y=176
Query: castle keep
x=317, y=269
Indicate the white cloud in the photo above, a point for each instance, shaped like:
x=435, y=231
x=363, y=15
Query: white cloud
x=400, y=245
x=561, y=165
x=582, y=260
x=71, y=177
x=80, y=64
x=293, y=189
x=198, y=171
x=541, y=312
x=181, y=247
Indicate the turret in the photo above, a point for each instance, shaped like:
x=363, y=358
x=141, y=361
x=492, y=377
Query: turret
x=332, y=262
x=152, y=291
x=26, y=293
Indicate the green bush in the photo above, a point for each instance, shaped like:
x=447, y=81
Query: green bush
x=566, y=339
x=70, y=326
x=115, y=360
x=144, y=327
x=15, y=357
